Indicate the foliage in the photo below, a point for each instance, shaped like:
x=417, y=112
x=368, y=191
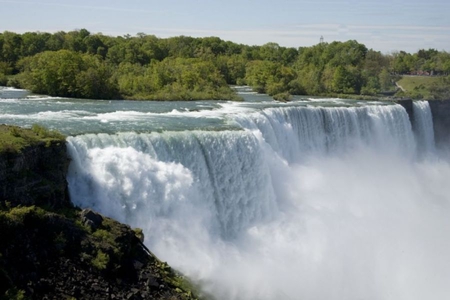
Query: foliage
x=14, y=294
x=441, y=89
x=421, y=87
x=68, y=74
x=139, y=234
x=270, y=77
x=45, y=133
x=13, y=139
x=37, y=242
x=21, y=215
x=336, y=68
x=282, y=97
x=173, y=79
x=101, y=260
x=3, y=79
x=80, y=64
x=13, y=82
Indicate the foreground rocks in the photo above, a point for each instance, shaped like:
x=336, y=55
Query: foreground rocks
x=54, y=255
x=52, y=250
x=33, y=167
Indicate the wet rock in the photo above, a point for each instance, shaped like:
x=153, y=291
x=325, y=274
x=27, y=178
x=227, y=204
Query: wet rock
x=35, y=176
x=91, y=218
x=137, y=265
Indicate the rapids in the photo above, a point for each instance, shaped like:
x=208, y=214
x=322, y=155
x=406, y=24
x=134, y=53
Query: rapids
x=316, y=199
x=302, y=203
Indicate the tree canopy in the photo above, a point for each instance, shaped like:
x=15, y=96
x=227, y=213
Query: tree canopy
x=81, y=64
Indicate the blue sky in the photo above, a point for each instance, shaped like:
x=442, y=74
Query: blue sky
x=383, y=25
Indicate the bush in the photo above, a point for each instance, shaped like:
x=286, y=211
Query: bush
x=14, y=82
x=15, y=131
x=45, y=133
x=15, y=294
x=3, y=79
x=139, y=234
x=101, y=261
x=283, y=97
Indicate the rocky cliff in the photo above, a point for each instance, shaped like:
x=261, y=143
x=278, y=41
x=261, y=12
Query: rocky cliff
x=74, y=254
x=52, y=250
x=440, y=109
x=35, y=175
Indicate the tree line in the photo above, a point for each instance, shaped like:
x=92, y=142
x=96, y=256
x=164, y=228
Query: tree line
x=85, y=65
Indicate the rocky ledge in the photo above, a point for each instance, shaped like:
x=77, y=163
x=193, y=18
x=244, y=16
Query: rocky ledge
x=52, y=250
x=33, y=167
x=74, y=254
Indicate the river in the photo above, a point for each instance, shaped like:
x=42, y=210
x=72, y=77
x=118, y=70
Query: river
x=311, y=199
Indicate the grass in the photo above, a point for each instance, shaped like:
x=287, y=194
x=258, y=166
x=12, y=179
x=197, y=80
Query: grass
x=186, y=95
x=418, y=87
x=351, y=96
x=14, y=139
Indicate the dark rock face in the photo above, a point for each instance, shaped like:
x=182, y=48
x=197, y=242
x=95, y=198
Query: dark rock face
x=440, y=109
x=91, y=219
x=408, y=106
x=47, y=255
x=52, y=250
x=36, y=176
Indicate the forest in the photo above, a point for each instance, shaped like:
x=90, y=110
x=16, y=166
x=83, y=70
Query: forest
x=81, y=64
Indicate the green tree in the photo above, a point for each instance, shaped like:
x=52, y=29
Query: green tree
x=74, y=40
x=343, y=81
x=33, y=43
x=95, y=45
x=402, y=62
x=68, y=74
x=11, y=50
x=441, y=90
x=385, y=80
x=95, y=80
x=56, y=41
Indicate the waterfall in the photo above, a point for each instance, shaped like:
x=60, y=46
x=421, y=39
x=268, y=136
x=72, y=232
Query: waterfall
x=126, y=174
x=295, y=132
x=423, y=126
x=301, y=203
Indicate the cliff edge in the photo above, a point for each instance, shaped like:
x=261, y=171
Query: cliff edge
x=33, y=167
x=52, y=250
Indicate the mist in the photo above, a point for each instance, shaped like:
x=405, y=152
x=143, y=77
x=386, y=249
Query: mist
x=365, y=226
x=349, y=210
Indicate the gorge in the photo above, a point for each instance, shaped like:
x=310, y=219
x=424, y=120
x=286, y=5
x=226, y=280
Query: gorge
x=312, y=199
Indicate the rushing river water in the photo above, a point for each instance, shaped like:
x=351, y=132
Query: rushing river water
x=312, y=199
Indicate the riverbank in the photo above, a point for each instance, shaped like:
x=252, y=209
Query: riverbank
x=425, y=87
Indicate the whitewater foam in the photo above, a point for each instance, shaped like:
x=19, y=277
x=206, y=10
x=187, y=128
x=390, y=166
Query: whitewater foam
x=52, y=115
x=303, y=203
x=424, y=127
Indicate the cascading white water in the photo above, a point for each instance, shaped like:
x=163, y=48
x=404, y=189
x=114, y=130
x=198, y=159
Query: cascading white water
x=295, y=132
x=424, y=126
x=223, y=173
x=303, y=203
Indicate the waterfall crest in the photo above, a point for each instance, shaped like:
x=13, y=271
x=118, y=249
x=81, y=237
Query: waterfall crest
x=423, y=126
x=295, y=132
x=301, y=203
x=223, y=172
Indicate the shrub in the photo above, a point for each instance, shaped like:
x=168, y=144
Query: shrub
x=14, y=82
x=101, y=261
x=3, y=79
x=139, y=234
x=15, y=131
x=282, y=96
x=44, y=133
